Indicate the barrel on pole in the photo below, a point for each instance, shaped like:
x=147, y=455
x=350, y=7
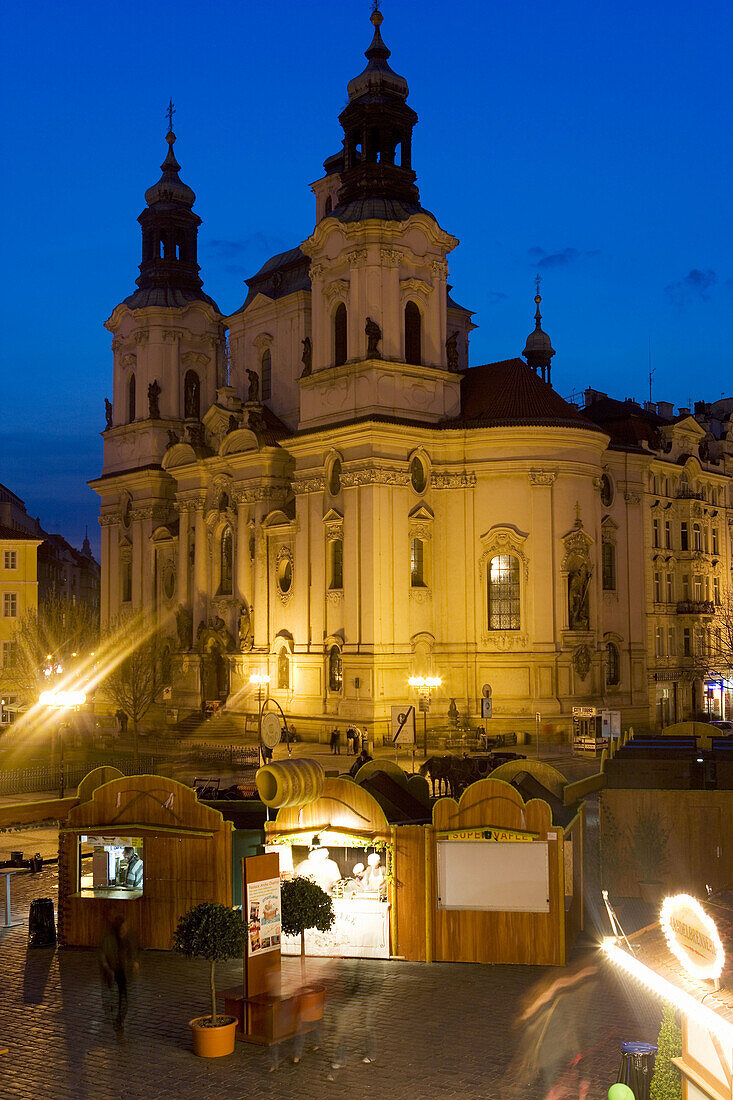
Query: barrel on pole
x=290, y=783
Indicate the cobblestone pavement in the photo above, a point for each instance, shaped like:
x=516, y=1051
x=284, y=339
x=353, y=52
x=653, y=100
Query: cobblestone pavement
x=442, y=1031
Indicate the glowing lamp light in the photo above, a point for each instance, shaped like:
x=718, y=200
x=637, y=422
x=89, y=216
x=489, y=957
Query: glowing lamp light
x=259, y=678
x=425, y=681
x=62, y=698
x=692, y=936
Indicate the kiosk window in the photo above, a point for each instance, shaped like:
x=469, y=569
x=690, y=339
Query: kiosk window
x=511, y=877
x=111, y=867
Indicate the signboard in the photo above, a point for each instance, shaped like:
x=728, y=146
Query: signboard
x=270, y=730
x=486, y=707
x=423, y=704
x=610, y=723
x=585, y=712
x=492, y=833
x=263, y=916
x=403, y=725
x=692, y=936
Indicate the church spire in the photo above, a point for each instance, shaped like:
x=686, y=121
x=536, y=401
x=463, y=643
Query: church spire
x=169, y=272
x=538, y=351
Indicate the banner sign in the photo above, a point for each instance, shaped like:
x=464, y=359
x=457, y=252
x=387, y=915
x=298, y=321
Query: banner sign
x=692, y=936
x=500, y=835
x=263, y=909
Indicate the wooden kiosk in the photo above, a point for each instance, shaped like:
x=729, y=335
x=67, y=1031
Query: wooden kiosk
x=185, y=848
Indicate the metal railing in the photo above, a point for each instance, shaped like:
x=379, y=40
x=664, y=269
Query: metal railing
x=695, y=607
x=47, y=777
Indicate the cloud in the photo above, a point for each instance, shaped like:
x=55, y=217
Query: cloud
x=248, y=251
x=541, y=258
x=695, y=286
x=495, y=296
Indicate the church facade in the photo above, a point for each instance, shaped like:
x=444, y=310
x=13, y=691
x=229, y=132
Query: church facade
x=317, y=486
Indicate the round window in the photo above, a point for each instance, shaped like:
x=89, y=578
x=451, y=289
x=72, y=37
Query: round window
x=606, y=491
x=418, y=477
x=334, y=480
x=285, y=575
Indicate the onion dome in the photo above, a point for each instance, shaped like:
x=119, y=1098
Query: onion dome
x=377, y=77
x=538, y=351
x=169, y=188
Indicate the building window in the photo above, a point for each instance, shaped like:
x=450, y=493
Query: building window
x=9, y=652
x=697, y=589
x=337, y=564
x=10, y=559
x=418, y=475
x=655, y=532
x=191, y=396
x=131, y=399
x=266, y=374
x=670, y=641
x=686, y=642
x=417, y=559
x=696, y=537
x=715, y=540
x=283, y=670
x=413, y=322
x=285, y=575
x=340, y=348
x=503, y=593
x=657, y=588
x=334, y=478
x=686, y=586
x=716, y=591
x=335, y=669
x=684, y=536
x=670, y=588
x=609, y=567
x=606, y=491
x=10, y=605
x=127, y=582
x=227, y=561
x=613, y=674
x=667, y=535
x=659, y=642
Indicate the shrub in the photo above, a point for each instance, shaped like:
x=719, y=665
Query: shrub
x=213, y=932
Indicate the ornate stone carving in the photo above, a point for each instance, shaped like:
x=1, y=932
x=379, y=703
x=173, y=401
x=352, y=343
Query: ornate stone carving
x=415, y=286
x=374, y=475
x=542, y=477
x=284, y=557
x=598, y=483
x=141, y=336
x=460, y=479
x=505, y=640
x=632, y=498
x=316, y=271
x=110, y=519
x=338, y=288
x=117, y=343
x=128, y=360
x=581, y=660
x=141, y=513
x=195, y=359
x=310, y=483
x=170, y=335
x=439, y=269
x=335, y=596
x=420, y=595
x=391, y=257
x=356, y=257
x=263, y=341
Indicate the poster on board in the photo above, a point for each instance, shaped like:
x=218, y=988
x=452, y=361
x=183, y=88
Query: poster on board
x=263, y=909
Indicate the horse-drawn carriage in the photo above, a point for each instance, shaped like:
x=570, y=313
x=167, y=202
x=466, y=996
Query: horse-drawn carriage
x=451, y=774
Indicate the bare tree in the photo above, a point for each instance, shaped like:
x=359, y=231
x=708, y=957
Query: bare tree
x=132, y=678
x=712, y=643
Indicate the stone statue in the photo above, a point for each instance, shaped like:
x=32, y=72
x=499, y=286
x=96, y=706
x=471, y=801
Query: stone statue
x=196, y=434
x=184, y=626
x=191, y=396
x=172, y=438
x=153, y=395
x=578, y=582
x=253, y=393
x=307, y=357
x=108, y=413
x=451, y=351
x=233, y=424
x=245, y=629
x=373, y=335
x=255, y=420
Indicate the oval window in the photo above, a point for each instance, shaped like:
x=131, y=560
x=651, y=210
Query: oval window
x=418, y=477
x=285, y=575
x=334, y=480
x=169, y=584
x=606, y=491
x=127, y=514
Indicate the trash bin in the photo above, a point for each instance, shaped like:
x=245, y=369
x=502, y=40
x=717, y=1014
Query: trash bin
x=637, y=1067
x=41, y=923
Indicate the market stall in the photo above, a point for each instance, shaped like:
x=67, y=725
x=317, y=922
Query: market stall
x=145, y=847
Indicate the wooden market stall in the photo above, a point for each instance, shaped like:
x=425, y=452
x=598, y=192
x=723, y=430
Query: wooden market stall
x=144, y=846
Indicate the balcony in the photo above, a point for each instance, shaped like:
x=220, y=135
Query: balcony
x=695, y=607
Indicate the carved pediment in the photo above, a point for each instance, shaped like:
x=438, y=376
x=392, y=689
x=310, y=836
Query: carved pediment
x=337, y=288
x=195, y=359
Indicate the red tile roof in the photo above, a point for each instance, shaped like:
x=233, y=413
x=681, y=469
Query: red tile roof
x=7, y=533
x=509, y=393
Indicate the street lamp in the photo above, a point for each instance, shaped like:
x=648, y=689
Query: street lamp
x=425, y=685
x=258, y=680
x=60, y=701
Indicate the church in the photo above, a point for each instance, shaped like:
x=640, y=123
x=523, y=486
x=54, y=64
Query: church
x=317, y=487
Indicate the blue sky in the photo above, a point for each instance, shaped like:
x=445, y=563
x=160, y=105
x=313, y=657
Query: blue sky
x=587, y=142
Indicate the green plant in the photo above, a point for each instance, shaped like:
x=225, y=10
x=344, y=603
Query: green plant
x=213, y=932
x=666, y=1082
x=648, y=847
x=305, y=905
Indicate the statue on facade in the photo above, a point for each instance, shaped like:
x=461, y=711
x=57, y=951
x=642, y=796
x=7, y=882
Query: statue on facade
x=255, y=420
x=307, y=357
x=233, y=424
x=451, y=351
x=108, y=413
x=153, y=395
x=253, y=393
x=578, y=583
x=373, y=335
x=184, y=627
x=196, y=434
x=244, y=629
x=172, y=438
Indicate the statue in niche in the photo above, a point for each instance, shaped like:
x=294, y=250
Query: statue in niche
x=253, y=393
x=307, y=357
x=172, y=438
x=373, y=335
x=581, y=661
x=578, y=584
x=153, y=395
x=184, y=627
x=244, y=629
x=451, y=351
x=191, y=396
x=108, y=413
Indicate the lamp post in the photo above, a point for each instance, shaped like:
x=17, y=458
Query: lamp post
x=258, y=680
x=62, y=701
x=425, y=685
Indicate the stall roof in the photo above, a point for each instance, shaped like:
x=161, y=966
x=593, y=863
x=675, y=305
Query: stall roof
x=131, y=827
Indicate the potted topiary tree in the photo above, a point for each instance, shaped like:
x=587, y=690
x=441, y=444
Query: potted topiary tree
x=306, y=905
x=216, y=933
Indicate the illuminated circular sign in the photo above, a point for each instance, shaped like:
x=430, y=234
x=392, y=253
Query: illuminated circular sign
x=692, y=936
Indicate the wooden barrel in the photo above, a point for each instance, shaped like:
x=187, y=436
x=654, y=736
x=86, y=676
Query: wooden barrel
x=290, y=782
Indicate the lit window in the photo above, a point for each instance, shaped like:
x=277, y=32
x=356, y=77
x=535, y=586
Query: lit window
x=335, y=672
x=612, y=665
x=503, y=593
x=417, y=576
x=10, y=605
x=696, y=537
x=609, y=567
x=10, y=559
x=9, y=653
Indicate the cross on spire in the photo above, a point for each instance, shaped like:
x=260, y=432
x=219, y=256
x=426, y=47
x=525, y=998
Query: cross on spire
x=170, y=113
x=375, y=6
x=537, y=281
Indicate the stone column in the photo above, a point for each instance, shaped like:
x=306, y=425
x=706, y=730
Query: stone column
x=147, y=556
x=320, y=320
x=260, y=593
x=200, y=568
x=436, y=318
x=243, y=580
x=137, y=558
x=183, y=547
x=104, y=581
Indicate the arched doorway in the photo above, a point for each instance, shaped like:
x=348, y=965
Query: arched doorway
x=214, y=672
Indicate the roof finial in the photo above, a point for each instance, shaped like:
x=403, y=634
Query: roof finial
x=538, y=299
x=169, y=114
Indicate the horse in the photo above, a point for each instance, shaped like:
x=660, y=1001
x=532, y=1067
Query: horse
x=438, y=770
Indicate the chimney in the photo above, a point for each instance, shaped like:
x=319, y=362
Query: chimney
x=665, y=408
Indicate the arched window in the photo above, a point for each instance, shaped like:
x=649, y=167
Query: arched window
x=340, y=348
x=417, y=557
x=335, y=671
x=266, y=374
x=413, y=321
x=503, y=593
x=283, y=670
x=613, y=672
x=227, y=561
x=131, y=399
x=337, y=564
x=191, y=396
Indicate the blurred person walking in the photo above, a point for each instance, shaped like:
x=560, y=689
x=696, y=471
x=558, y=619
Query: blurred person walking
x=118, y=961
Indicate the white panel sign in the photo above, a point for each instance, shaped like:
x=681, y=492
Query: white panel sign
x=510, y=878
x=403, y=725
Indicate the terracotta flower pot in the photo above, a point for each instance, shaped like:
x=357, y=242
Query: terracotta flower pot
x=213, y=1042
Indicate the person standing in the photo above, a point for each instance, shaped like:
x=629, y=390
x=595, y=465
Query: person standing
x=117, y=963
x=337, y=742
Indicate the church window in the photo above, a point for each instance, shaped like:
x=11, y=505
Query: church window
x=418, y=475
x=266, y=374
x=191, y=396
x=335, y=669
x=612, y=665
x=334, y=478
x=609, y=567
x=127, y=582
x=413, y=322
x=285, y=575
x=340, y=349
x=283, y=670
x=227, y=561
x=337, y=564
x=503, y=593
x=606, y=491
x=131, y=399
x=417, y=563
